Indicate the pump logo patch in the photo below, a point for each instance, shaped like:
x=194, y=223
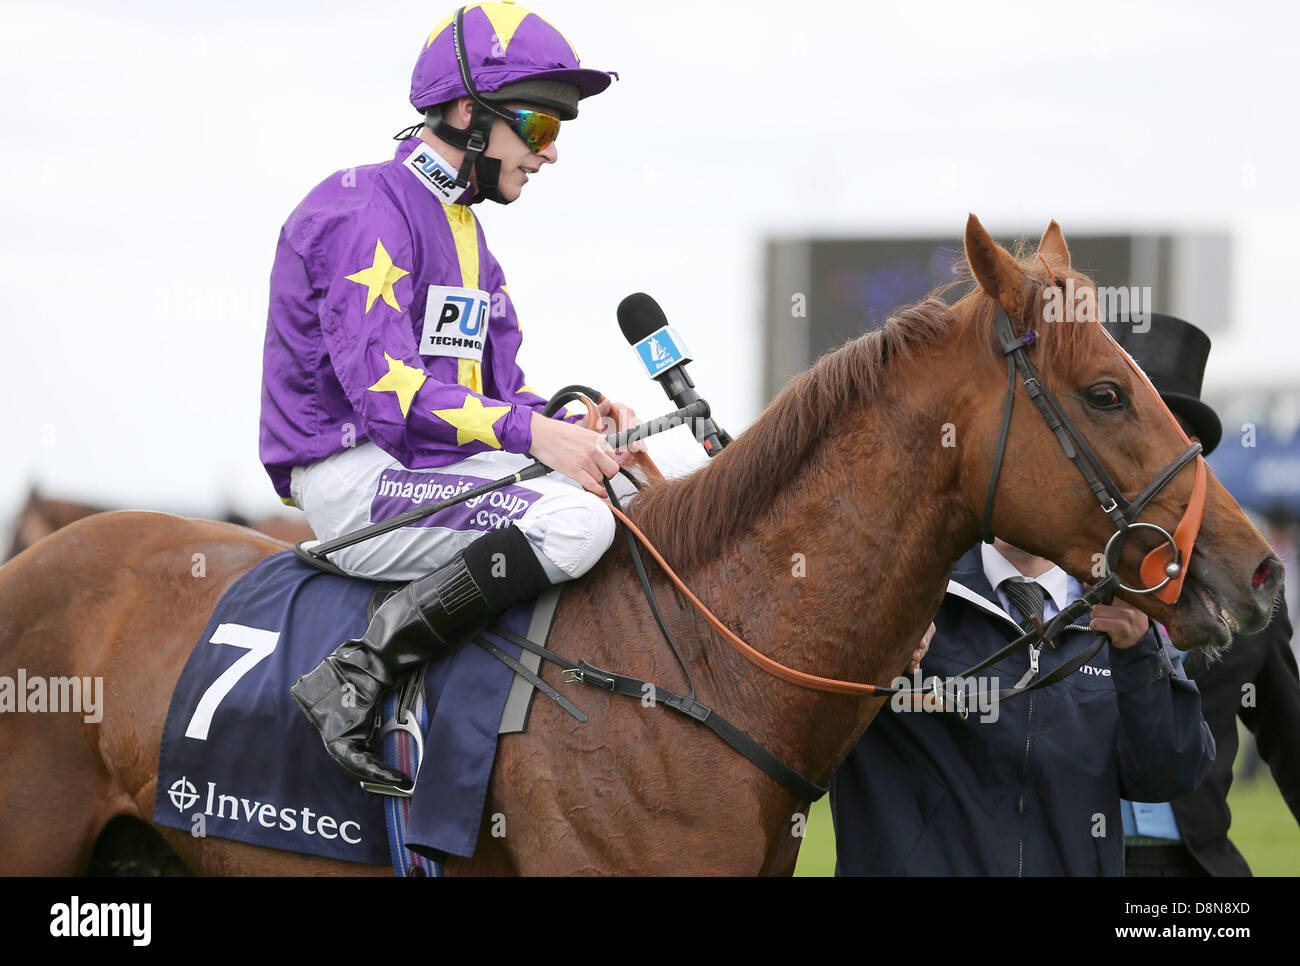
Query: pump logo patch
x=434, y=173
x=455, y=323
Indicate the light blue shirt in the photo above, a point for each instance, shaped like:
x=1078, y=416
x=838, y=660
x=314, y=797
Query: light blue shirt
x=1153, y=819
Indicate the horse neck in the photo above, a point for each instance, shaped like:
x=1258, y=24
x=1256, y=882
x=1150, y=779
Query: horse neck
x=842, y=575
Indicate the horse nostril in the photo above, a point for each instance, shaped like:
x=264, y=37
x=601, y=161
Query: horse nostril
x=1261, y=576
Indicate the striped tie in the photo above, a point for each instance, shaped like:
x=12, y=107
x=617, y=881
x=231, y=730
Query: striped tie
x=1028, y=598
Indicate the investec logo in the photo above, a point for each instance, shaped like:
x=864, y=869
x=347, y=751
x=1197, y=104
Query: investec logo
x=185, y=796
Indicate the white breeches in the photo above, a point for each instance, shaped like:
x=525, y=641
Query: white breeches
x=568, y=527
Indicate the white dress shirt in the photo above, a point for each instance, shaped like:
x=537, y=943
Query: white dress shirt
x=1059, y=587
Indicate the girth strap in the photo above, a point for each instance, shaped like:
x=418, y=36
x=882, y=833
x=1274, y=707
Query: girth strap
x=800, y=787
x=530, y=677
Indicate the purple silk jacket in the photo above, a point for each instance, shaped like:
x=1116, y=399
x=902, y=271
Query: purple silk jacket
x=390, y=320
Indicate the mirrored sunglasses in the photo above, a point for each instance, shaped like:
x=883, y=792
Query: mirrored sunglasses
x=535, y=129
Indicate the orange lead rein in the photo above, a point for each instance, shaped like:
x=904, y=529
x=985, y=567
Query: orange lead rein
x=772, y=667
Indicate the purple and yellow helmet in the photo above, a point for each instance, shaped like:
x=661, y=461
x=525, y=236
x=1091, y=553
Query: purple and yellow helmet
x=505, y=46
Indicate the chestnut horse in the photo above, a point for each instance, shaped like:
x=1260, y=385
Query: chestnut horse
x=40, y=515
x=823, y=536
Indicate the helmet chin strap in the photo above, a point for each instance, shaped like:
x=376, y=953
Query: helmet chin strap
x=473, y=141
x=488, y=171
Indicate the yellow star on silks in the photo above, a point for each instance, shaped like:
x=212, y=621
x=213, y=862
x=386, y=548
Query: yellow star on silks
x=402, y=379
x=473, y=420
x=379, y=278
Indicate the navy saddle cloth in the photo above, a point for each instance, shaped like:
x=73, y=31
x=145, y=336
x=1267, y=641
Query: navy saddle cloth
x=239, y=760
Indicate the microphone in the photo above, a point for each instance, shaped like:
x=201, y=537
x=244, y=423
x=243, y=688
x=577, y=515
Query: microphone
x=664, y=355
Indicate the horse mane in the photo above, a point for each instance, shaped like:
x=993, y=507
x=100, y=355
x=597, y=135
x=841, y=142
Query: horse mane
x=691, y=518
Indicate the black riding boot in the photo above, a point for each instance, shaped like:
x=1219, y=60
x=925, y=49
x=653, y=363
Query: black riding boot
x=424, y=621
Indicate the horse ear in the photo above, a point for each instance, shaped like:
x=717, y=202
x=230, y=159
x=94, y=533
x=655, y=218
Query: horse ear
x=996, y=271
x=1053, y=248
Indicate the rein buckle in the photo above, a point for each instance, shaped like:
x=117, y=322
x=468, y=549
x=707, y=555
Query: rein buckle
x=950, y=695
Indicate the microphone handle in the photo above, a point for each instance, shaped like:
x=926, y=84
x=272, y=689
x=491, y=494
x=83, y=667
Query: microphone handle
x=693, y=412
x=681, y=390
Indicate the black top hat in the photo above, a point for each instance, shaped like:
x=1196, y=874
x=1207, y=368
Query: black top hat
x=1172, y=353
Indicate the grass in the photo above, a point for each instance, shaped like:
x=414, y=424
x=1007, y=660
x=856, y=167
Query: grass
x=817, y=853
x=1263, y=829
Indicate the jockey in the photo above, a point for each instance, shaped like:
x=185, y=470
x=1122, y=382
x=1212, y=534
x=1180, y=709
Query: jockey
x=390, y=374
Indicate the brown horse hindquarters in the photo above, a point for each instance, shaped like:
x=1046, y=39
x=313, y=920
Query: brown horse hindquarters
x=123, y=596
x=120, y=597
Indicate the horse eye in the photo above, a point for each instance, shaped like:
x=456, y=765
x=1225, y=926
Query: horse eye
x=1105, y=396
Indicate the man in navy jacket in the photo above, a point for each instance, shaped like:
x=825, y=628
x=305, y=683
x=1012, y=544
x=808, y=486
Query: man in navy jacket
x=1031, y=787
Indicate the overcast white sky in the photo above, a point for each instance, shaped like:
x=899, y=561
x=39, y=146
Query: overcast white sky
x=151, y=151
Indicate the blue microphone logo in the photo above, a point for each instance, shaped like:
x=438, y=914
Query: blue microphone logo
x=661, y=350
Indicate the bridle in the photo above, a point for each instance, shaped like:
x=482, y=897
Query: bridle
x=1167, y=563
x=1163, y=568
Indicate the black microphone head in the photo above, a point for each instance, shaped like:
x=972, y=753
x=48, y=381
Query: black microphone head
x=638, y=316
